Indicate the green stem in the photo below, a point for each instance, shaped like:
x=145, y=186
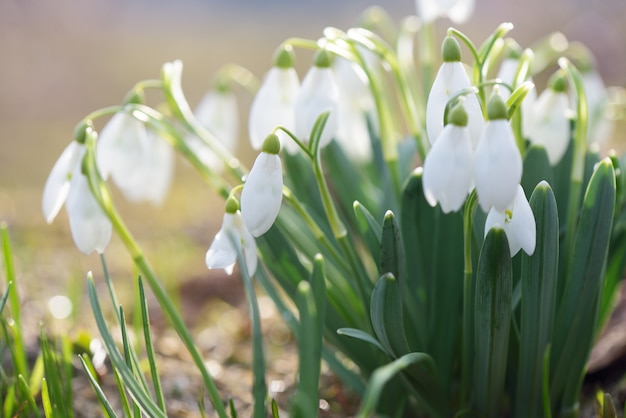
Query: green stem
x=580, y=147
x=468, y=332
x=102, y=195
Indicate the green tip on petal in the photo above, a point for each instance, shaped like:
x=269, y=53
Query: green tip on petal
x=458, y=116
x=322, y=59
x=232, y=205
x=451, y=50
x=271, y=144
x=284, y=57
x=558, y=81
x=80, y=131
x=496, y=108
x=513, y=52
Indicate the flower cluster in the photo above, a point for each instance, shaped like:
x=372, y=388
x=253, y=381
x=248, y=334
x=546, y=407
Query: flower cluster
x=471, y=152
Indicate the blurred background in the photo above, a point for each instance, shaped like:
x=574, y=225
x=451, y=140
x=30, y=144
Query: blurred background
x=60, y=60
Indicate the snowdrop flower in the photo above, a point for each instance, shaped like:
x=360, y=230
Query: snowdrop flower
x=139, y=163
x=451, y=79
x=317, y=95
x=91, y=228
x=599, y=126
x=217, y=111
x=518, y=223
x=222, y=254
x=498, y=163
x=448, y=167
x=262, y=192
x=356, y=105
x=273, y=105
x=459, y=11
x=550, y=125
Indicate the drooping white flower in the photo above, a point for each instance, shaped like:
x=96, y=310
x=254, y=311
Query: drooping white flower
x=222, y=254
x=498, y=163
x=318, y=94
x=448, y=168
x=217, y=111
x=518, y=222
x=356, y=105
x=262, y=193
x=549, y=124
x=273, y=104
x=459, y=11
x=450, y=80
x=139, y=163
x=90, y=227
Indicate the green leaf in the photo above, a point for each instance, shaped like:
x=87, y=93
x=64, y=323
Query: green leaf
x=539, y=275
x=423, y=368
x=536, y=168
x=28, y=395
x=363, y=336
x=135, y=388
x=369, y=228
x=306, y=401
x=492, y=315
x=578, y=309
x=5, y=296
x=104, y=402
x=392, y=258
x=386, y=314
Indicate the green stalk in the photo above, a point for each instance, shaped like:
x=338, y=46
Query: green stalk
x=102, y=195
x=468, y=297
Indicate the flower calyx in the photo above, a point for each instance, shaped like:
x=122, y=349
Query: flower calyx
x=450, y=50
x=271, y=144
x=284, y=57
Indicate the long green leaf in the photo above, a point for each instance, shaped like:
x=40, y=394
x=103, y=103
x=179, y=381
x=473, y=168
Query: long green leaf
x=539, y=275
x=28, y=395
x=135, y=388
x=492, y=316
x=5, y=296
x=578, y=310
x=386, y=314
x=369, y=228
x=363, y=336
x=392, y=257
x=104, y=402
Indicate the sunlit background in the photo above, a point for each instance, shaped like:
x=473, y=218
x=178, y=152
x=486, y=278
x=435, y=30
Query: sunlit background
x=60, y=60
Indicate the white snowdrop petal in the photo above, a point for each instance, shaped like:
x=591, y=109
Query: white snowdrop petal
x=550, y=124
x=427, y=10
x=221, y=254
x=58, y=183
x=261, y=196
x=317, y=95
x=461, y=11
x=273, y=106
x=448, y=169
x=497, y=167
x=523, y=223
x=217, y=111
x=120, y=146
x=91, y=228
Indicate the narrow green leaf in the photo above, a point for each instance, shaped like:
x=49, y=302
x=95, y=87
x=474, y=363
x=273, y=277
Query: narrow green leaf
x=135, y=388
x=363, y=336
x=309, y=353
x=5, y=296
x=492, y=315
x=369, y=228
x=275, y=409
x=45, y=400
x=28, y=395
x=577, y=313
x=104, y=402
x=147, y=334
x=537, y=168
x=539, y=275
x=392, y=257
x=231, y=407
x=386, y=315
x=384, y=374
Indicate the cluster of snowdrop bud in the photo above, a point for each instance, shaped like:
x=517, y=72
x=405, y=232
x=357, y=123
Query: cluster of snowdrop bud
x=468, y=152
x=261, y=199
x=67, y=184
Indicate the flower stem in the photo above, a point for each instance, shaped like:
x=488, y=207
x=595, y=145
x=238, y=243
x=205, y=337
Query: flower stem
x=102, y=195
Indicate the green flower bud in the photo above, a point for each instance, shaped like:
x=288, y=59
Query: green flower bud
x=284, y=57
x=322, y=59
x=232, y=205
x=451, y=50
x=271, y=144
x=458, y=115
x=496, y=108
x=80, y=131
x=558, y=81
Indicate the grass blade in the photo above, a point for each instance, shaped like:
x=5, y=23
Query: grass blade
x=28, y=395
x=104, y=402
